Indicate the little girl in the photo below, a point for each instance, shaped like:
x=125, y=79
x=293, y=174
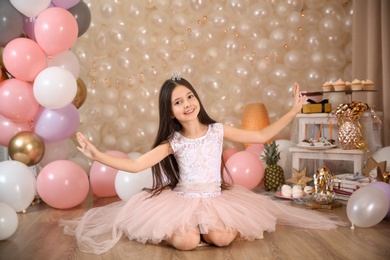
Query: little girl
x=189, y=200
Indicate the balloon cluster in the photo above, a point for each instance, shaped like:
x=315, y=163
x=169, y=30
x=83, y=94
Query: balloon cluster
x=233, y=52
x=40, y=93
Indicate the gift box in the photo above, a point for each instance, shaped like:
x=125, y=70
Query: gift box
x=317, y=107
x=344, y=185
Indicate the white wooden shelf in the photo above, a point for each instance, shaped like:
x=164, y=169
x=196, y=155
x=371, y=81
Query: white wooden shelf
x=355, y=155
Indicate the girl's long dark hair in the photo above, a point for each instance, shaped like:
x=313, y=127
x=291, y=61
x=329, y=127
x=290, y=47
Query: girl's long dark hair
x=166, y=173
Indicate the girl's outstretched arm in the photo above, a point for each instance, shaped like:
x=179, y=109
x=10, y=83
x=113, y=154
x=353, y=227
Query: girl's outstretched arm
x=143, y=162
x=262, y=136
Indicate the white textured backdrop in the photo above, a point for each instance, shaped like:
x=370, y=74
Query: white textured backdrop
x=234, y=52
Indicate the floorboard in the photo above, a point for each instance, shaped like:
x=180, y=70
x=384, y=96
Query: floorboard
x=39, y=237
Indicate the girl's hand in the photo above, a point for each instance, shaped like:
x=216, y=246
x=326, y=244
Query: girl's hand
x=299, y=100
x=86, y=147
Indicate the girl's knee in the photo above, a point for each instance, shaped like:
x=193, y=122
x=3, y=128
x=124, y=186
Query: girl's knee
x=220, y=239
x=184, y=242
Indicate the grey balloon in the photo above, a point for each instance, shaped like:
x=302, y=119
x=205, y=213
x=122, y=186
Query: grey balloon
x=11, y=23
x=82, y=14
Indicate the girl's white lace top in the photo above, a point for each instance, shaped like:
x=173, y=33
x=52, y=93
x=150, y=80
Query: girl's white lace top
x=199, y=162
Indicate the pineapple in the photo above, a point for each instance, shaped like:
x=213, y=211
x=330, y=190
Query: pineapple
x=273, y=173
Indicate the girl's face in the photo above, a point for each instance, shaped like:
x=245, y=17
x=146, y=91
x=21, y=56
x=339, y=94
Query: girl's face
x=184, y=105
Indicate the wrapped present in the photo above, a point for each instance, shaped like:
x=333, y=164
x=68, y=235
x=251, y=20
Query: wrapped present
x=317, y=107
x=346, y=184
x=350, y=182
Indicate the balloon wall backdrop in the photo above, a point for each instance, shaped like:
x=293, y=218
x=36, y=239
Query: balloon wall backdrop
x=234, y=52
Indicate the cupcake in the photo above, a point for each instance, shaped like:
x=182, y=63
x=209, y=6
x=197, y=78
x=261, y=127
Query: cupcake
x=347, y=85
x=356, y=85
x=339, y=85
x=368, y=84
x=327, y=86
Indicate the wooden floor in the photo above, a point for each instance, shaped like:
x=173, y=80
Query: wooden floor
x=39, y=237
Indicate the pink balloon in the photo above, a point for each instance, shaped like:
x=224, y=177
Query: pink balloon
x=385, y=187
x=102, y=177
x=17, y=101
x=55, y=125
x=24, y=59
x=256, y=149
x=245, y=168
x=8, y=129
x=56, y=30
x=62, y=184
x=29, y=23
x=226, y=154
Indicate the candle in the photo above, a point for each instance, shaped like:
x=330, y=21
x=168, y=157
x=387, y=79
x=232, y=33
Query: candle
x=322, y=130
x=319, y=133
x=306, y=136
x=330, y=129
x=313, y=130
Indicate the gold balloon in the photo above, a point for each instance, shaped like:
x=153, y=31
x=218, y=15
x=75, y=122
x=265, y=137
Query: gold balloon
x=81, y=94
x=1, y=57
x=3, y=74
x=26, y=147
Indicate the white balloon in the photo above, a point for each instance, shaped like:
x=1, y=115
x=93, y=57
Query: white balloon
x=312, y=40
x=311, y=19
x=329, y=26
x=381, y=155
x=295, y=59
x=367, y=206
x=314, y=4
x=335, y=59
x=55, y=151
x=83, y=162
x=179, y=22
x=17, y=185
x=179, y=6
x=66, y=60
x=317, y=59
x=128, y=184
x=8, y=221
x=313, y=77
x=30, y=8
x=279, y=37
x=159, y=20
x=294, y=20
x=134, y=10
x=55, y=87
x=108, y=12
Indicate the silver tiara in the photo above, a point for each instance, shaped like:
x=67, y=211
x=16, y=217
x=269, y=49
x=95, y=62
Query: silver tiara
x=176, y=76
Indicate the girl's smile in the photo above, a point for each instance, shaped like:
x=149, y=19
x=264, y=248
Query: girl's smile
x=184, y=103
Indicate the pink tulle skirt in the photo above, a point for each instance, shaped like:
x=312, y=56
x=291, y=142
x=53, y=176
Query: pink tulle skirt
x=151, y=220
